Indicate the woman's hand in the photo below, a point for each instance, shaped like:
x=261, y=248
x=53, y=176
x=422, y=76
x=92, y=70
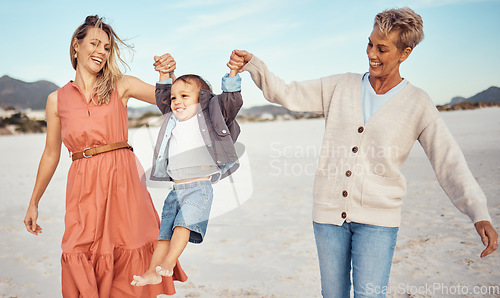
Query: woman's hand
x=165, y=65
x=30, y=220
x=488, y=235
x=238, y=60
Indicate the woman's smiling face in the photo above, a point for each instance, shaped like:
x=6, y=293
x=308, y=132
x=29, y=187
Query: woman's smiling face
x=383, y=55
x=93, y=50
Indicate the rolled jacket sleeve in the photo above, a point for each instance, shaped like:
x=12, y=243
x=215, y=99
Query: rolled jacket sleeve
x=231, y=84
x=166, y=81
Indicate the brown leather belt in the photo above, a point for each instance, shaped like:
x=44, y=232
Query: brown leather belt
x=89, y=152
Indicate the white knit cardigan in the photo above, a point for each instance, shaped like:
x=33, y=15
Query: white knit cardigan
x=359, y=172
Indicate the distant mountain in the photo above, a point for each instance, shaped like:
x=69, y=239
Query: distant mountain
x=457, y=99
x=491, y=94
x=23, y=95
x=265, y=109
x=272, y=112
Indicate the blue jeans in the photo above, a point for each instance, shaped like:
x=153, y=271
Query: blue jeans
x=368, y=248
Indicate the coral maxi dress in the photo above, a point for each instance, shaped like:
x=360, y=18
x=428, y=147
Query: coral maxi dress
x=111, y=225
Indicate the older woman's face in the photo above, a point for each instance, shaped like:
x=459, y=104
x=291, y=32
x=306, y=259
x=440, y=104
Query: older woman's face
x=383, y=54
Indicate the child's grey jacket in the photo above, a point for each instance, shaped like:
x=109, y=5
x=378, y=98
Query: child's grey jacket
x=218, y=127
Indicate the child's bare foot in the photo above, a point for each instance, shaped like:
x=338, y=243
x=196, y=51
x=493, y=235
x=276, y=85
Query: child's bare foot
x=164, y=271
x=148, y=278
x=166, y=268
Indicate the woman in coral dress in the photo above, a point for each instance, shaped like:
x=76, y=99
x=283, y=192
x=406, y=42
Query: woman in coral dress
x=111, y=225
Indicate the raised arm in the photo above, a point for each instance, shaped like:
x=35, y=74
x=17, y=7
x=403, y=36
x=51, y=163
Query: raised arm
x=162, y=94
x=230, y=100
x=48, y=164
x=132, y=87
x=306, y=96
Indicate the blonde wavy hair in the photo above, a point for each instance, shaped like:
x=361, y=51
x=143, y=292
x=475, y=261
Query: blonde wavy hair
x=406, y=21
x=110, y=73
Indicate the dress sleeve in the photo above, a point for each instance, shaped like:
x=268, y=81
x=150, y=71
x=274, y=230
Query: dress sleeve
x=452, y=171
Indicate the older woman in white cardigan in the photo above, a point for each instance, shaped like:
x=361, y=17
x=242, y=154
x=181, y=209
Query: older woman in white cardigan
x=372, y=122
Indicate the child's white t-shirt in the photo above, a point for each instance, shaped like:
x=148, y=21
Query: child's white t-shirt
x=188, y=157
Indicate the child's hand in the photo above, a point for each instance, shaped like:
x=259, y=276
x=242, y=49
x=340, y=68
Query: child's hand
x=235, y=64
x=238, y=60
x=233, y=73
x=165, y=65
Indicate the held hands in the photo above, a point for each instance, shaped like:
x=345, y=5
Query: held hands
x=488, y=235
x=165, y=65
x=30, y=220
x=237, y=61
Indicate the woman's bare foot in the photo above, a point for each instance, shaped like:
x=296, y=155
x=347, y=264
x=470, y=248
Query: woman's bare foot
x=148, y=278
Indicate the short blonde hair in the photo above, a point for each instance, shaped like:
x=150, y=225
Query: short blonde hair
x=406, y=21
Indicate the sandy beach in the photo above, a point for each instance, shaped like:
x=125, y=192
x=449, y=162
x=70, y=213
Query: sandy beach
x=260, y=241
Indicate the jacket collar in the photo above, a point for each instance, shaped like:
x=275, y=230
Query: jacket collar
x=205, y=97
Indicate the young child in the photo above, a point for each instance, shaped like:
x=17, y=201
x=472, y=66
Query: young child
x=195, y=148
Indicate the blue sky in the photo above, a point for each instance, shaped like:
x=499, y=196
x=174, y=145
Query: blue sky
x=298, y=39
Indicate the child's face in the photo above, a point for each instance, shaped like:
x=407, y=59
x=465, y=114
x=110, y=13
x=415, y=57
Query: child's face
x=184, y=100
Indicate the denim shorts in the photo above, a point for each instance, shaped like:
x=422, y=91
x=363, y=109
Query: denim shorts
x=187, y=205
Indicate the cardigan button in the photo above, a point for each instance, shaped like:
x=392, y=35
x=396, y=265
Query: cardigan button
x=354, y=149
x=348, y=173
x=344, y=193
x=224, y=131
x=343, y=215
x=361, y=129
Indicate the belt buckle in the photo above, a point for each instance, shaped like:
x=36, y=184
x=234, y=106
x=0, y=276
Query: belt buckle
x=83, y=152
